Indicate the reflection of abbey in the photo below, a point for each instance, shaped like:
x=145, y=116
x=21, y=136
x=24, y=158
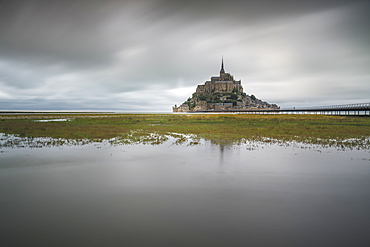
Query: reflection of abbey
x=221, y=93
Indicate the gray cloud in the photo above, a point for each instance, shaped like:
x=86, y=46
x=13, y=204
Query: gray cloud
x=148, y=55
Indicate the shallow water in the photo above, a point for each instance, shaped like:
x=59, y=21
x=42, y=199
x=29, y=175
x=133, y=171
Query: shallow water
x=254, y=194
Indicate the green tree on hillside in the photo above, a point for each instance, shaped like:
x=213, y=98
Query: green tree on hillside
x=234, y=97
x=202, y=97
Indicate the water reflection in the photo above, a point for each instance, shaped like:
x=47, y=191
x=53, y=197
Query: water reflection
x=131, y=138
x=141, y=137
x=145, y=189
x=53, y=120
x=16, y=141
x=144, y=138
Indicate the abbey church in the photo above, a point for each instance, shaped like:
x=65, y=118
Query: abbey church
x=222, y=93
x=224, y=83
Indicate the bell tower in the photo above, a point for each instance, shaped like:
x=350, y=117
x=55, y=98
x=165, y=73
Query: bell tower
x=222, y=71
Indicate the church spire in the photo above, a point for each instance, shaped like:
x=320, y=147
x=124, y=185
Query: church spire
x=222, y=66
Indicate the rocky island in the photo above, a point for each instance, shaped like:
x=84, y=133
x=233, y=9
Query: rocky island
x=222, y=93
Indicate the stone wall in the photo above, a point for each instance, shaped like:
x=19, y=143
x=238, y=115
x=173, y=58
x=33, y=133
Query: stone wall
x=201, y=106
x=217, y=87
x=181, y=108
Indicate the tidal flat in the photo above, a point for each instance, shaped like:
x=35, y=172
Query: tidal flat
x=341, y=131
x=184, y=180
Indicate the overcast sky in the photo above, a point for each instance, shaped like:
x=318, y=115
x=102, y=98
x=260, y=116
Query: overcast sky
x=147, y=55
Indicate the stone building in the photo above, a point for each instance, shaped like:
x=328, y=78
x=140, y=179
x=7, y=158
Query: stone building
x=181, y=108
x=222, y=93
x=224, y=83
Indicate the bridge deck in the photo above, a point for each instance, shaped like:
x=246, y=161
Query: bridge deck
x=362, y=109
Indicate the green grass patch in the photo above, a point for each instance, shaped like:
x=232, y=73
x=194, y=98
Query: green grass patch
x=223, y=128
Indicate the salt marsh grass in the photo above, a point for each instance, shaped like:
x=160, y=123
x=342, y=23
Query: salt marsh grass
x=219, y=128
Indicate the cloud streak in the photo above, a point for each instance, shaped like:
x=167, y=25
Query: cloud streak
x=149, y=55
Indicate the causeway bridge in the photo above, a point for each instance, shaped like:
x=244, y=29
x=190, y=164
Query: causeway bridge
x=359, y=109
x=349, y=109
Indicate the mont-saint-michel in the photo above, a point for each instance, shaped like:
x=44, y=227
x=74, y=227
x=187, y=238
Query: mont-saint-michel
x=222, y=93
